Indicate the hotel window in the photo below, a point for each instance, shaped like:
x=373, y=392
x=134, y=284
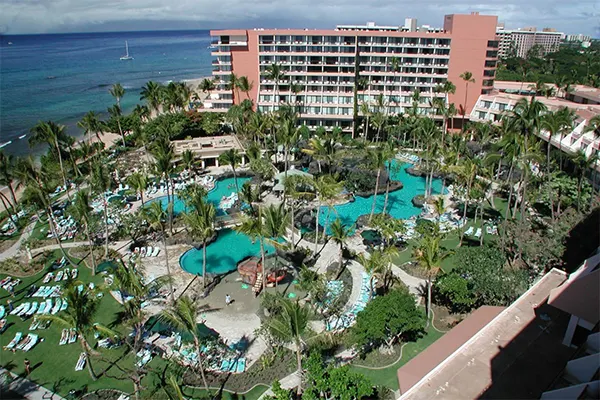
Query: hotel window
x=491, y=54
x=488, y=72
x=488, y=82
x=493, y=44
x=490, y=63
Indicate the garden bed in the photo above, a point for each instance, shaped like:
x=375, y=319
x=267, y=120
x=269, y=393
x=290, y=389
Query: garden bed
x=258, y=373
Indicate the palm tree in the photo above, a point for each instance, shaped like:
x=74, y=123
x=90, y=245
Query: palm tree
x=201, y=225
x=50, y=133
x=527, y=117
x=187, y=159
x=129, y=281
x=115, y=112
x=378, y=264
x=275, y=73
x=327, y=188
x=378, y=159
x=81, y=210
x=582, y=164
x=429, y=254
x=163, y=166
x=339, y=234
x=232, y=158
x=80, y=316
x=296, y=187
x=290, y=326
x=156, y=219
x=276, y=222
x=90, y=123
x=233, y=85
x=101, y=182
x=117, y=91
x=207, y=85
x=467, y=172
x=152, y=94
x=288, y=134
x=255, y=229
x=245, y=86
x=7, y=175
x=182, y=317
x=138, y=182
x=467, y=77
x=323, y=149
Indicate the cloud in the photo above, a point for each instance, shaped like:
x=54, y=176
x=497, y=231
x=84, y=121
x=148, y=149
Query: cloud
x=38, y=16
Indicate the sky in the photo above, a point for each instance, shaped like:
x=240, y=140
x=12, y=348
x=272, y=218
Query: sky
x=60, y=16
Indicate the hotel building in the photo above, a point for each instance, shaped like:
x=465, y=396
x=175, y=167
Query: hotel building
x=324, y=64
x=520, y=41
x=583, y=100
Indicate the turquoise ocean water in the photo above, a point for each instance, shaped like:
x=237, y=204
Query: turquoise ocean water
x=62, y=76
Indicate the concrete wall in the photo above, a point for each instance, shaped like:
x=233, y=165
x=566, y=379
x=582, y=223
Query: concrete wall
x=244, y=62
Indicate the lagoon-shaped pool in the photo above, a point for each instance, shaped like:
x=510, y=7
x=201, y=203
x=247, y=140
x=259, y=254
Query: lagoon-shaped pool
x=224, y=254
x=223, y=188
x=399, y=201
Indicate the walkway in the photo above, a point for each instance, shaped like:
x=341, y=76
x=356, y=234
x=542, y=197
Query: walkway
x=26, y=388
x=14, y=250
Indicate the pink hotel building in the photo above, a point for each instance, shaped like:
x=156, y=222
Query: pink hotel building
x=323, y=64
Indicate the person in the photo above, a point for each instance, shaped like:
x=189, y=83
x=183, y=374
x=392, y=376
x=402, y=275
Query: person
x=10, y=306
x=227, y=300
x=27, y=366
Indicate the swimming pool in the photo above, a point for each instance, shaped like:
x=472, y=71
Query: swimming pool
x=399, y=201
x=223, y=187
x=223, y=254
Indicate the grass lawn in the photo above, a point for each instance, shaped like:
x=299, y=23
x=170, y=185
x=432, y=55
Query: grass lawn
x=53, y=365
x=388, y=376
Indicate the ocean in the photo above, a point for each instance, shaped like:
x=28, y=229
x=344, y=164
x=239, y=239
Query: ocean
x=60, y=77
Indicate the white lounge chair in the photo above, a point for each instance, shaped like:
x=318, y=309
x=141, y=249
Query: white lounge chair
x=15, y=340
x=33, y=339
x=469, y=231
x=80, y=362
x=478, y=233
x=155, y=252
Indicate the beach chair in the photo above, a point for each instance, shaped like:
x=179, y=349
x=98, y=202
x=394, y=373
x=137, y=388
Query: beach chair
x=2, y=312
x=80, y=362
x=32, y=309
x=33, y=339
x=42, y=308
x=48, y=277
x=25, y=308
x=59, y=276
x=15, y=340
x=469, y=231
x=74, y=273
x=478, y=233
x=155, y=252
x=72, y=335
x=56, y=308
x=48, y=307
x=64, y=305
x=64, y=336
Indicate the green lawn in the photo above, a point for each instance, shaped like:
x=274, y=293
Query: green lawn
x=253, y=394
x=388, y=376
x=53, y=365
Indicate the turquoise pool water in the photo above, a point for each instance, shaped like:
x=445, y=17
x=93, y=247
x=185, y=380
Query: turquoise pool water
x=399, y=201
x=223, y=187
x=223, y=254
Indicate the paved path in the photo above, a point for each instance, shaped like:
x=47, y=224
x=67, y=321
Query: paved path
x=413, y=283
x=13, y=250
x=26, y=388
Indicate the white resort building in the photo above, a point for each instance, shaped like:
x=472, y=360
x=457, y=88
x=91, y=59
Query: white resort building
x=585, y=101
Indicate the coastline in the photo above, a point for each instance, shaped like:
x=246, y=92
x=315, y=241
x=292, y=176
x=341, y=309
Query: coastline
x=108, y=138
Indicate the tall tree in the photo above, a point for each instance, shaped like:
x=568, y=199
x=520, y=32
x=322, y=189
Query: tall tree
x=429, y=254
x=50, y=133
x=290, y=325
x=101, y=183
x=7, y=175
x=255, y=228
x=377, y=159
x=327, y=188
x=340, y=235
x=82, y=210
x=275, y=73
x=201, y=225
x=245, y=86
x=467, y=77
x=90, y=123
x=80, y=316
x=156, y=219
x=152, y=94
x=182, y=316
x=232, y=158
x=138, y=182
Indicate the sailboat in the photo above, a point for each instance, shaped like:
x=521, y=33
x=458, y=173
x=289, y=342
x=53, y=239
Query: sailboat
x=126, y=57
